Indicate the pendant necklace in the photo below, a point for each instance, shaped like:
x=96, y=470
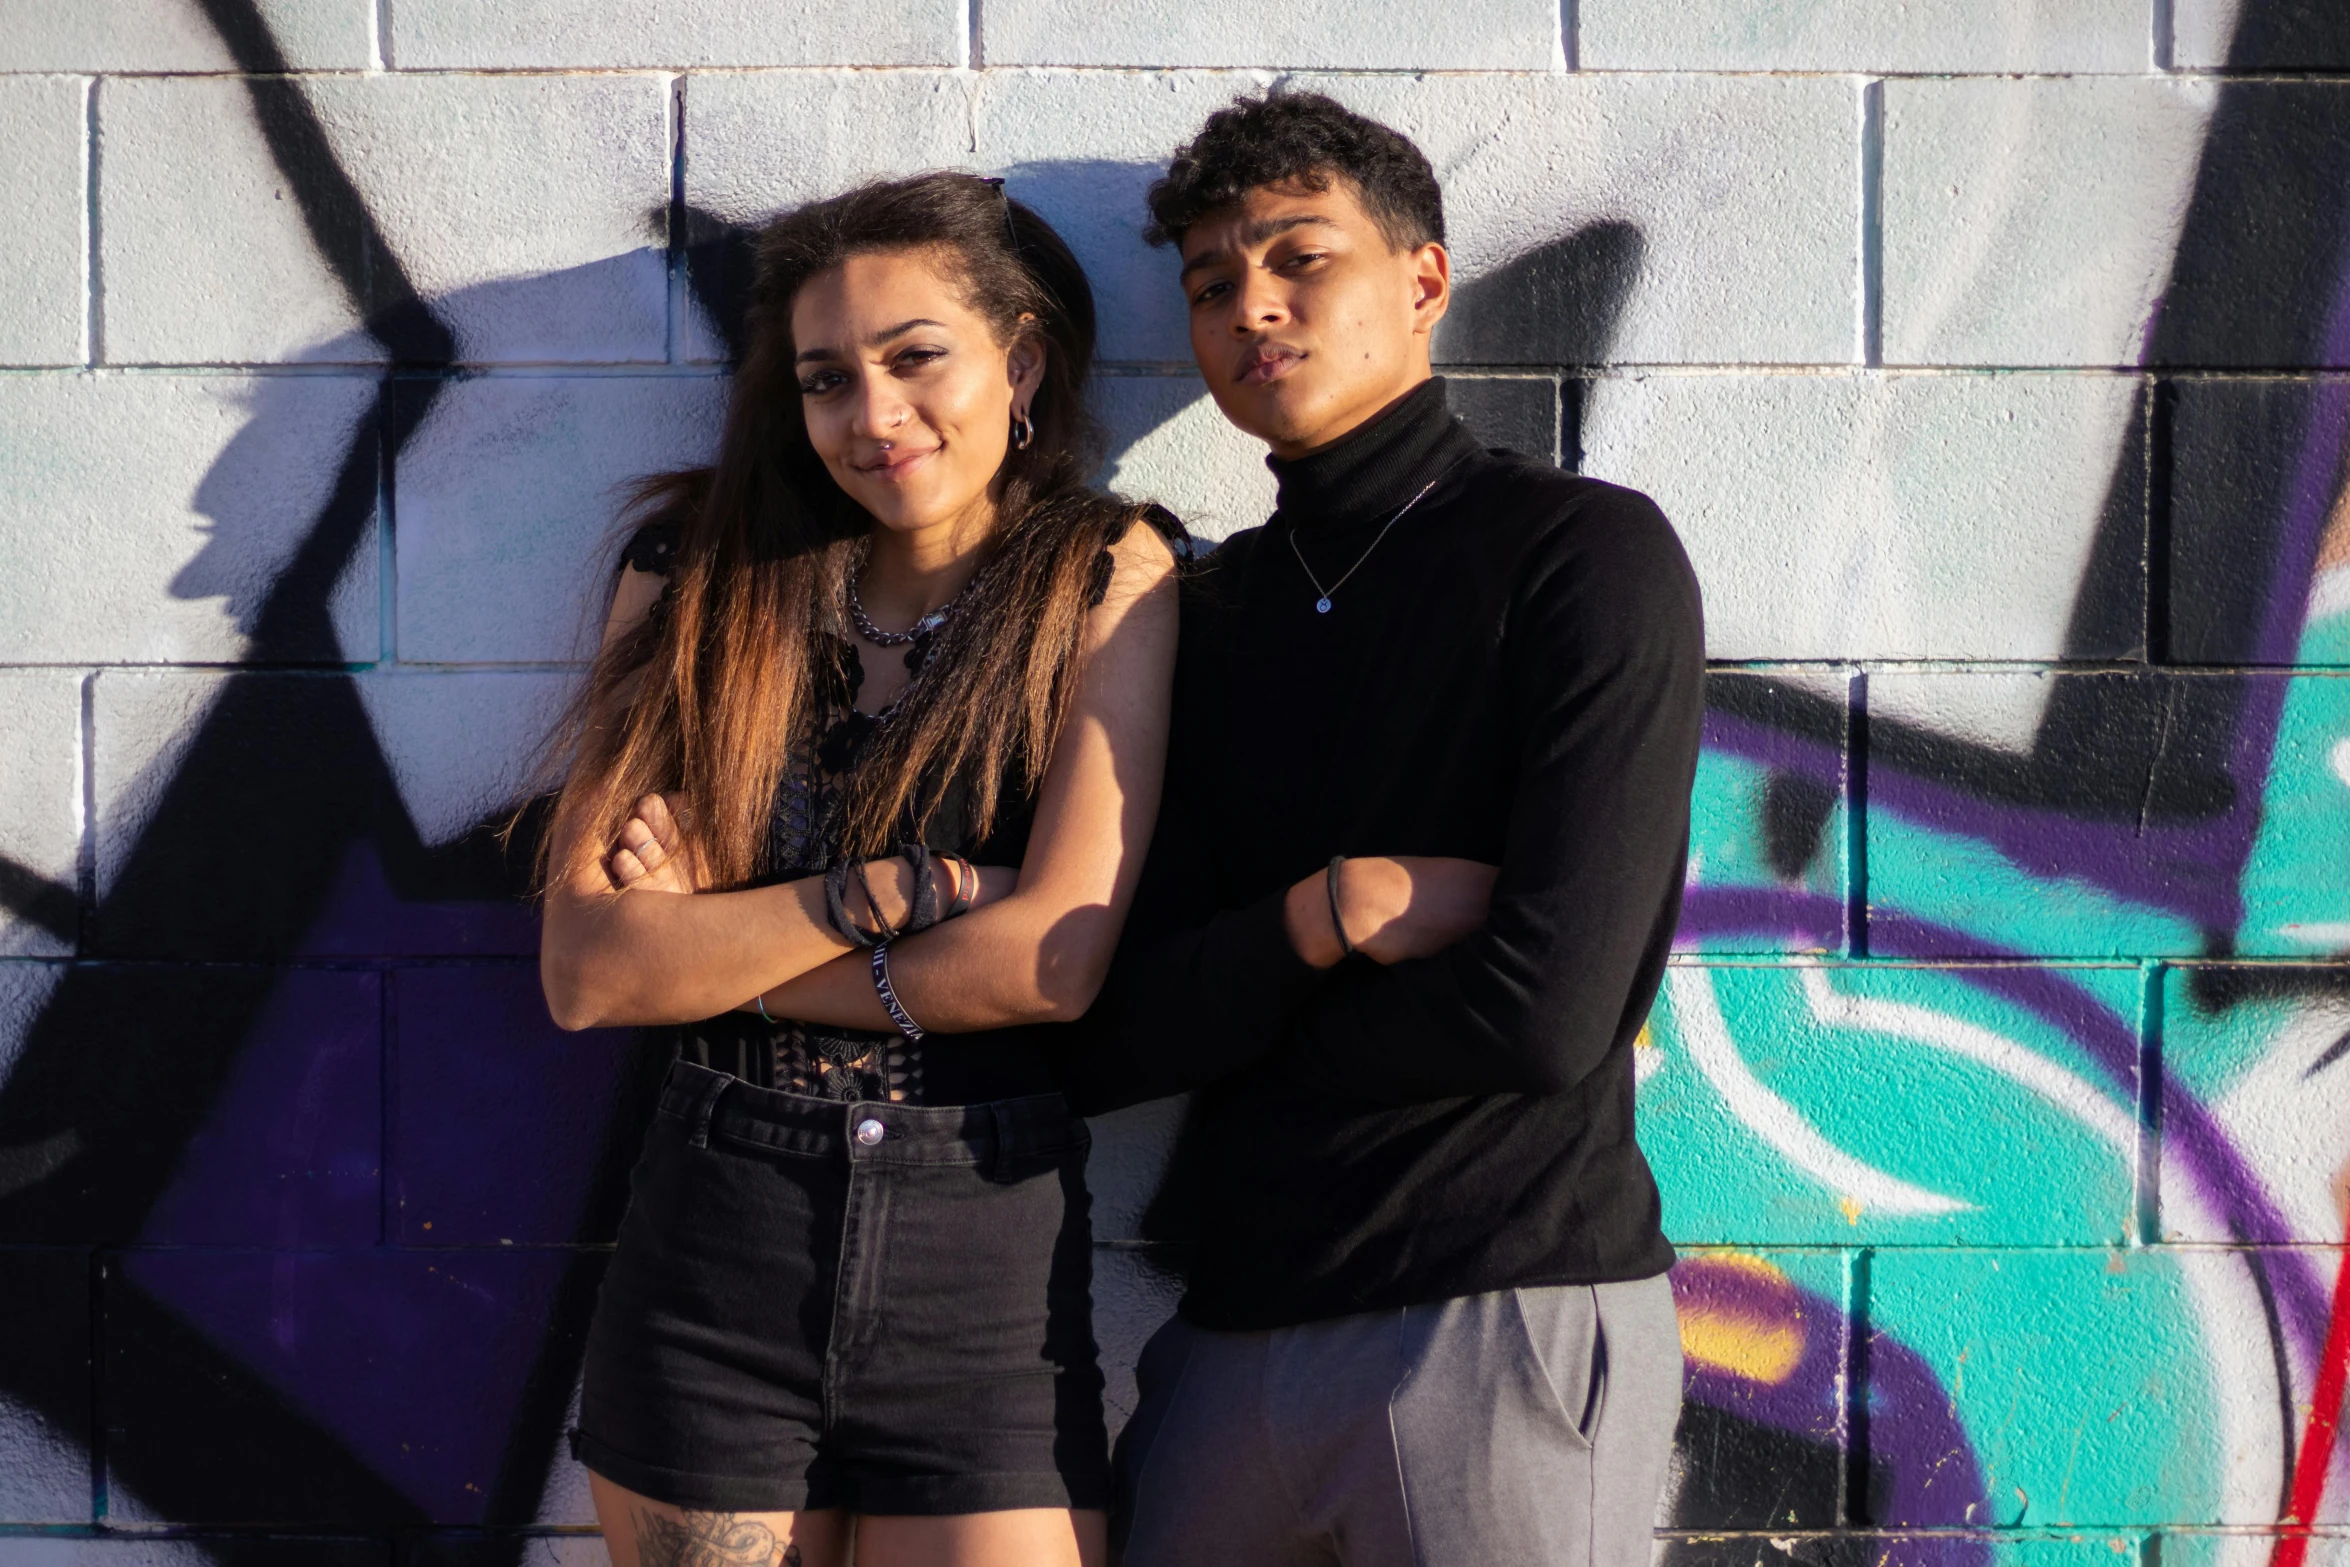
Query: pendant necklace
x=1322, y=603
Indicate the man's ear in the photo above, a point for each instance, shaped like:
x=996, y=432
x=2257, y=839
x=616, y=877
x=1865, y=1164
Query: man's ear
x=1431, y=286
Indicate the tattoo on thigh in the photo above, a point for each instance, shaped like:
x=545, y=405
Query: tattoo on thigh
x=709, y=1540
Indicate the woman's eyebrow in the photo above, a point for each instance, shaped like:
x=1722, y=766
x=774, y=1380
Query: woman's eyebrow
x=875, y=341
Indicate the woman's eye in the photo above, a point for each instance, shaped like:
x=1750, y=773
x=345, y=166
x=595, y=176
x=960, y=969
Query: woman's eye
x=916, y=358
x=821, y=382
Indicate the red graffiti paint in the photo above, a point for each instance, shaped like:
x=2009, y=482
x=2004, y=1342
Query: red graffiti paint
x=2325, y=1418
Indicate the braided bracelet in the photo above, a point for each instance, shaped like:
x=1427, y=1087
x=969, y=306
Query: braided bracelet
x=836, y=905
x=1346, y=948
x=889, y=996
x=924, y=912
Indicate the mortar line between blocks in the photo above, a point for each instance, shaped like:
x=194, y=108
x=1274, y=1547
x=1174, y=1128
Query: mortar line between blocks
x=677, y=236
x=974, y=39
x=379, y=33
x=1855, y=1479
x=1570, y=35
x=85, y=852
x=2163, y=42
x=387, y=531
x=2156, y=610
x=93, y=282
x=386, y=1106
x=1872, y=223
x=99, y=1501
x=2147, y=1185
x=1856, y=816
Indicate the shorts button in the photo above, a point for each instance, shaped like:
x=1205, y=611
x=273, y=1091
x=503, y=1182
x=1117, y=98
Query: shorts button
x=870, y=1132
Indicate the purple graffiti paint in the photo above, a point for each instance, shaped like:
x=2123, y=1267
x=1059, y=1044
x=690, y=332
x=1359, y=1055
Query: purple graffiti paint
x=416, y=1362
x=292, y=1154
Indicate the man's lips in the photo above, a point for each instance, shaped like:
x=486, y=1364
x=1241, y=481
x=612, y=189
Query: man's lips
x=1268, y=362
x=894, y=464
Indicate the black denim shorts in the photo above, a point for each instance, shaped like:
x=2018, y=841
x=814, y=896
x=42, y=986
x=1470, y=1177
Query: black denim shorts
x=880, y=1307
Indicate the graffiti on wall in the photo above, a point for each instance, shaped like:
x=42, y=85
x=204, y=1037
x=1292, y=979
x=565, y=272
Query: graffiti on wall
x=2053, y=1244
x=2001, y=1100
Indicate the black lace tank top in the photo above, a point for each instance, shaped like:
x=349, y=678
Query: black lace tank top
x=803, y=838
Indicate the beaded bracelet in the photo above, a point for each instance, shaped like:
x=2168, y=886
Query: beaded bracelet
x=889, y=996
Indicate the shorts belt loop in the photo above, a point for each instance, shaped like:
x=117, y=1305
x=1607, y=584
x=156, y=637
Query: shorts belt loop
x=697, y=1115
x=1002, y=1166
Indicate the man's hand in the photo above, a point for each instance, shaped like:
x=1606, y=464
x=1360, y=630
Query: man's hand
x=1395, y=907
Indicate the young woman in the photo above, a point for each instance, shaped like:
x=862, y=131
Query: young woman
x=861, y=786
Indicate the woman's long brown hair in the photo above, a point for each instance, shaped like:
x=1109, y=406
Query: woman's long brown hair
x=703, y=698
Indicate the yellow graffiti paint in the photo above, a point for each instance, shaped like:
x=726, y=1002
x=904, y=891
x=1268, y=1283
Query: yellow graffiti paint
x=1757, y=1348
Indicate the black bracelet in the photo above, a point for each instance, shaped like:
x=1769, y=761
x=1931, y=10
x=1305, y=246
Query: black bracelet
x=966, y=886
x=889, y=996
x=924, y=912
x=836, y=905
x=1346, y=948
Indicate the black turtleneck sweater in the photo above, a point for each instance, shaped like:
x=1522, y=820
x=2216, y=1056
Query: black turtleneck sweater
x=1513, y=675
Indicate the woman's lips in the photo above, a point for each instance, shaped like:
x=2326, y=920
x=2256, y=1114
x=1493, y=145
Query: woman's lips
x=896, y=465
x=1268, y=364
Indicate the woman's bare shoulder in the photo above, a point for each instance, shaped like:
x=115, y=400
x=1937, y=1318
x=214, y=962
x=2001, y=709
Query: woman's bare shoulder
x=1140, y=560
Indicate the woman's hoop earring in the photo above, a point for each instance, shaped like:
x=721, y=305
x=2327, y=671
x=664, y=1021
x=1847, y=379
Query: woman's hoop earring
x=1022, y=432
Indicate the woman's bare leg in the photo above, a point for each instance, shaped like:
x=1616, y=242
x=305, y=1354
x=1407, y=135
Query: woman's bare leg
x=640, y=1532
x=1025, y=1537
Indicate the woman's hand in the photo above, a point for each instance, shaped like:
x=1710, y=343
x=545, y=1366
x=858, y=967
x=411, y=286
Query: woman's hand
x=1395, y=907
x=893, y=884
x=651, y=855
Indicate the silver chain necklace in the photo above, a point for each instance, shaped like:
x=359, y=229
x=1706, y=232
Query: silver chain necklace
x=880, y=638
x=1322, y=604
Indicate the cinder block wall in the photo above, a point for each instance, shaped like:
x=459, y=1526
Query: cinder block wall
x=1992, y=359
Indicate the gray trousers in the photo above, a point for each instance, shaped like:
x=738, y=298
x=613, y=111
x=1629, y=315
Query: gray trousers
x=1523, y=1428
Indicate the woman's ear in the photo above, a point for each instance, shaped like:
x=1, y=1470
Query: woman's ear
x=1024, y=363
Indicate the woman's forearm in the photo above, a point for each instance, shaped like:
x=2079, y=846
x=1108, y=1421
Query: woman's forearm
x=663, y=957
x=1017, y=961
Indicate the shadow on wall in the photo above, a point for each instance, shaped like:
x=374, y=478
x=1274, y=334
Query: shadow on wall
x=302, y=1069
x=302, y=1066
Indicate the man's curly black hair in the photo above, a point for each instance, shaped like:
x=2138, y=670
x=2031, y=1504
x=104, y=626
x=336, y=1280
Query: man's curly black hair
x=1302, y=139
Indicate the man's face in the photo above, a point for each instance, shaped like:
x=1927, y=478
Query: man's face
x=1304, y=320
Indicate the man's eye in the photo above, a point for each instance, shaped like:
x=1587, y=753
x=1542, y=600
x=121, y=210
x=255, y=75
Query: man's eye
x=1306, y=258
x=1211, y=293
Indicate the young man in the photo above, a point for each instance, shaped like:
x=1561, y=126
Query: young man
x=1426, y=1320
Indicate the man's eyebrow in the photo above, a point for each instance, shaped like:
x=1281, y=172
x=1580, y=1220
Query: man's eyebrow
x=875, y=341
x=1256, y=234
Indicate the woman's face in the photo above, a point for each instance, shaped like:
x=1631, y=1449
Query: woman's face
x=908, y=396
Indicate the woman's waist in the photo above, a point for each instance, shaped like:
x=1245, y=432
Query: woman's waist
x=944, y=1070
x=1012, y=1131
